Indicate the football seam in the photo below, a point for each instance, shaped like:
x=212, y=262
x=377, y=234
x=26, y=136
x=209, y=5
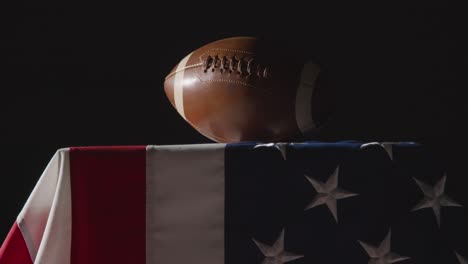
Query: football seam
x=230, y=81
x=201, y=64
x=228, y=50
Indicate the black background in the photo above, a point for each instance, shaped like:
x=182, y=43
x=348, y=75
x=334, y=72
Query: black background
x=93, y=75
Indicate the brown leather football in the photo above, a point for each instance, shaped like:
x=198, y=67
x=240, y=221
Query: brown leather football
x=247, y=89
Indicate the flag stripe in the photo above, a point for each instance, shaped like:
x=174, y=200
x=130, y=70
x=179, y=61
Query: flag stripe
x=108, y=204
x=185, y=204
x=14, y=249
x=36, y=213
x=56, y=241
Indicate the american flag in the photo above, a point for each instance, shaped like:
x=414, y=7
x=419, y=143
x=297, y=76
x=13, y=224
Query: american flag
x=245, y=203
x=344, y=203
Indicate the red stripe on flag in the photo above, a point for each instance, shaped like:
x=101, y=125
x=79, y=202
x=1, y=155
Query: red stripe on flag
x=108, y=204
x=14, y=249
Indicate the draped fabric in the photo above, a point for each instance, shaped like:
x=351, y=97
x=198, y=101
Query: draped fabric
x=312, y=202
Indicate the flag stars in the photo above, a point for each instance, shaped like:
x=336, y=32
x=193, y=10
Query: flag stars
x=276, y=253
x=461, y=259
x=435, y=198
x=387, y=146
x=328, y=193
x=279, y=146
x=382, y=254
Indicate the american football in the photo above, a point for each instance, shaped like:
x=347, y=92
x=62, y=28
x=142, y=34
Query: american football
x=248, y=89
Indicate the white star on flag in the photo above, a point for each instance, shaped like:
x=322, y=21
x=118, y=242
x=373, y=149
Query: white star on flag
x=461, y=259
x=382, y=254
x=276, y=254
x=328, y=193
x=279, y=146
x=435, y=198
x=387, y=146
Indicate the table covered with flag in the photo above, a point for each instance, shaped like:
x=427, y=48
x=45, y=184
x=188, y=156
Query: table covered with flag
x=245, y=203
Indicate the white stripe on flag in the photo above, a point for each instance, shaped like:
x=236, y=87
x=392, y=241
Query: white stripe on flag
x=45, y=221
x=185, y=204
